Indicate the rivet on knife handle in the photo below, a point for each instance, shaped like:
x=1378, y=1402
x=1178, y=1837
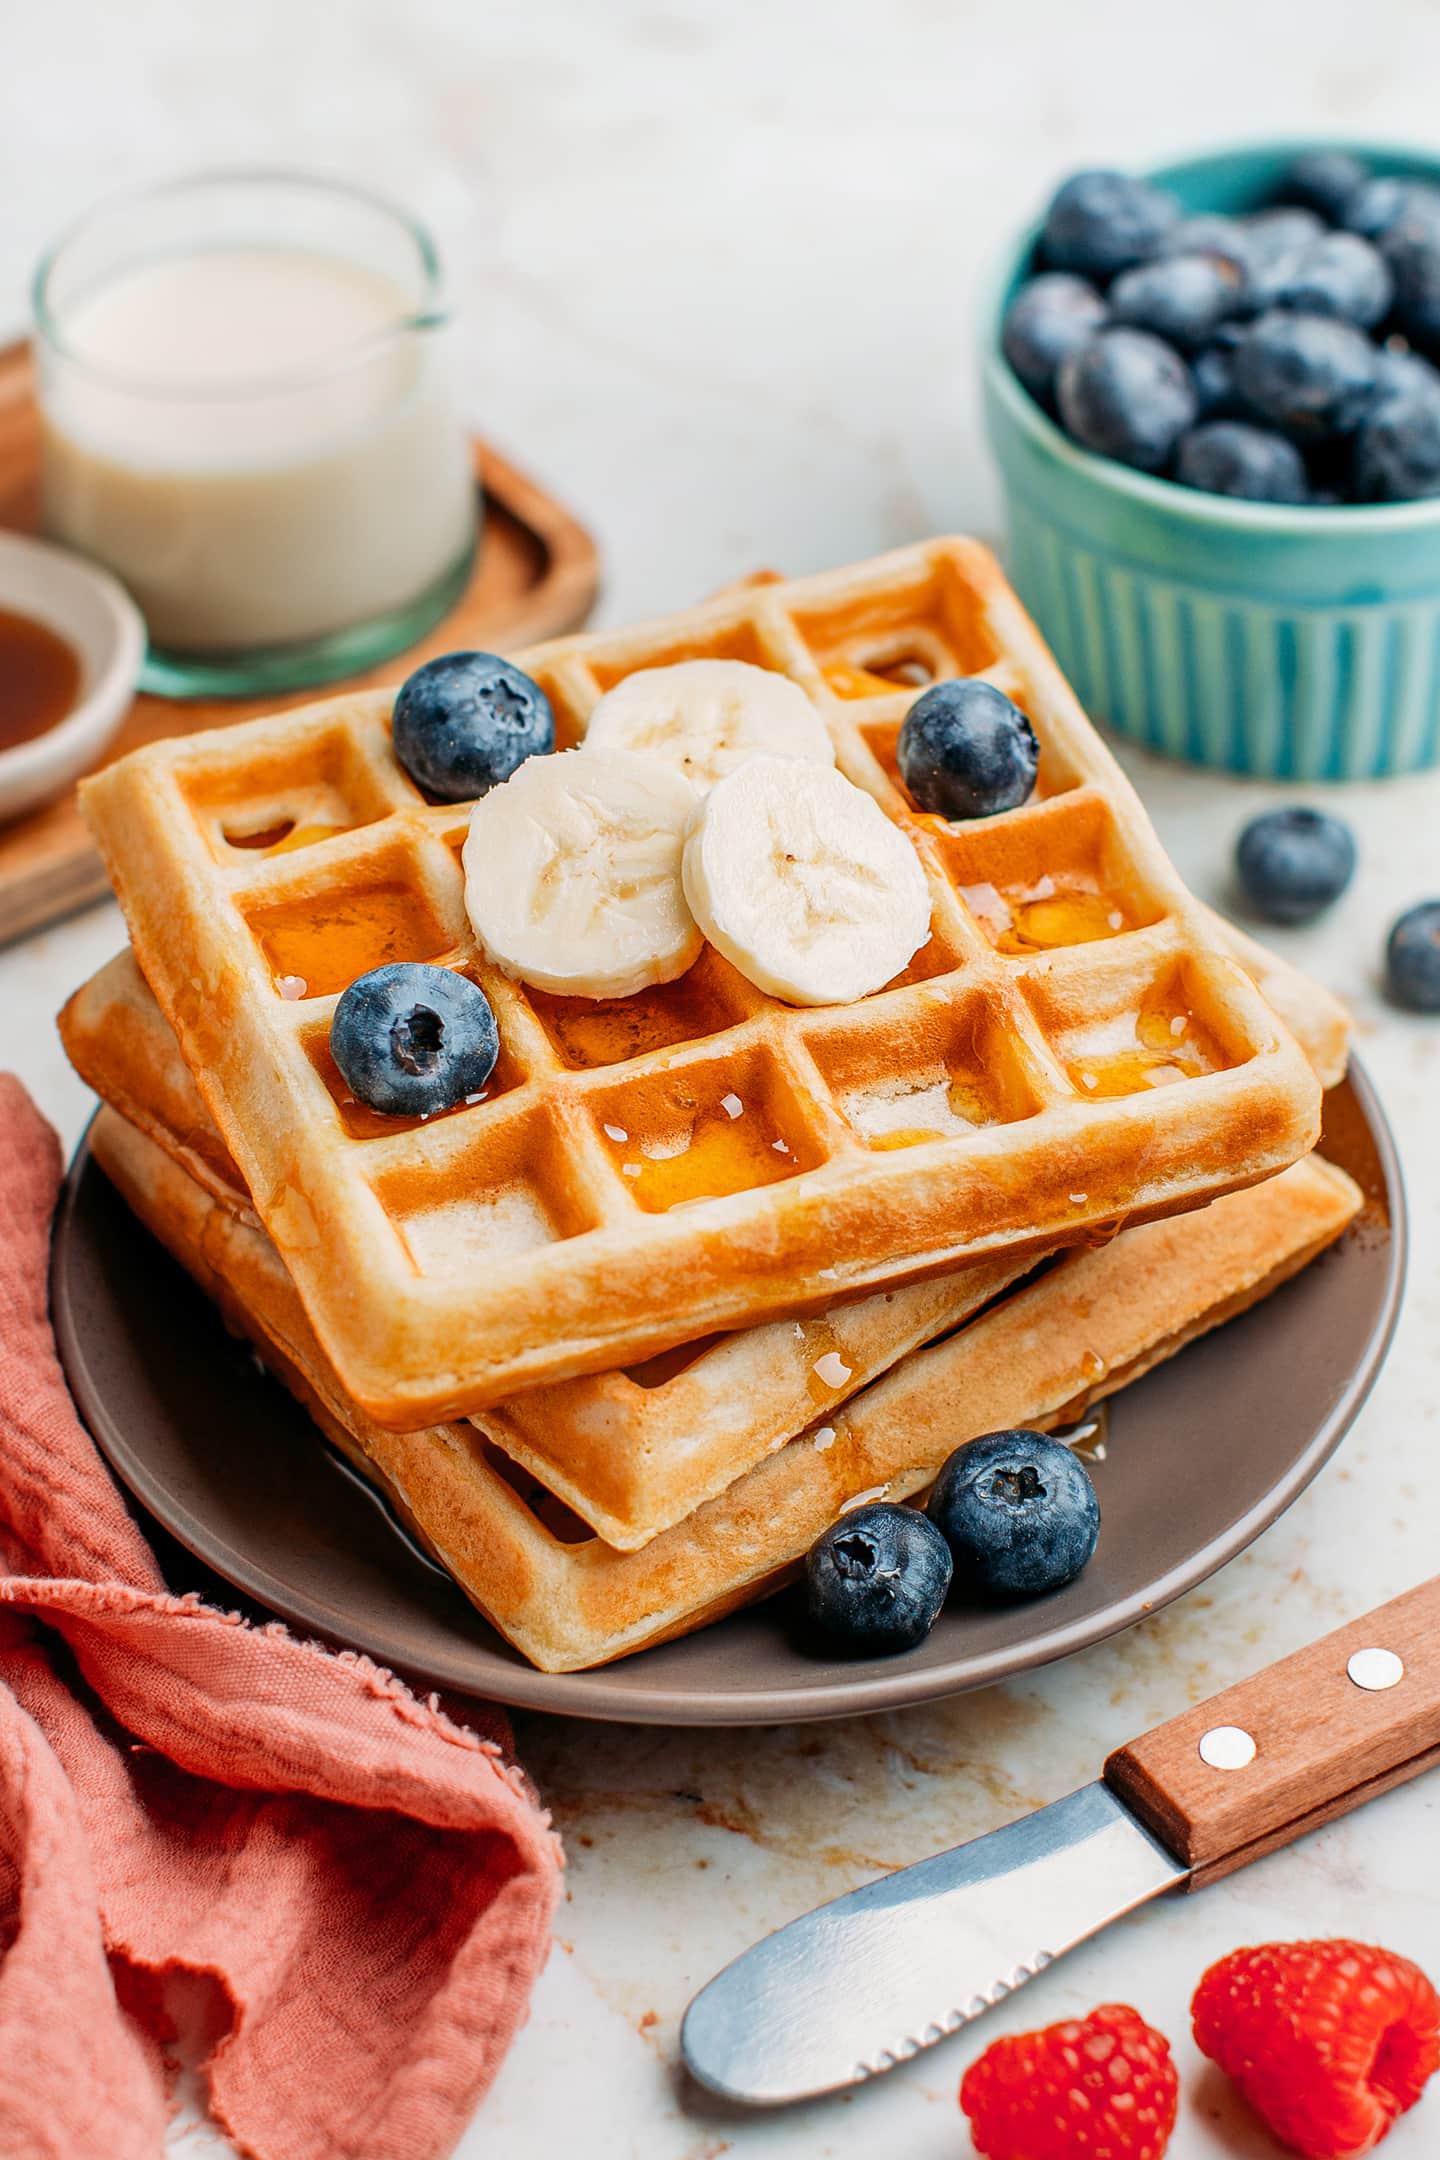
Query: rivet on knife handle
x=1332, y=1726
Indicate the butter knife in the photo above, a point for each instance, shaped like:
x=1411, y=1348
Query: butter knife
x=867, y=1981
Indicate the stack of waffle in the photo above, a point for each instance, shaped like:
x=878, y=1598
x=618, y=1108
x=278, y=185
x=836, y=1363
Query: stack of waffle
x=698, y=1270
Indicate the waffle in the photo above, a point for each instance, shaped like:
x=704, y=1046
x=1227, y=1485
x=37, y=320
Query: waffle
x=998, y=1097
x=631, y=1452
x=1080, y=1330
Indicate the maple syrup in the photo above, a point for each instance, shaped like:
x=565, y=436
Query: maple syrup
x=725, y=1150
x=1066, y=916
x=1091, y=1440
x=604, y=1031
x=283, y=837
x=326, y=942
x=954, y=1106
x=848, y=681
x=1169, y=1046
x=39, y=678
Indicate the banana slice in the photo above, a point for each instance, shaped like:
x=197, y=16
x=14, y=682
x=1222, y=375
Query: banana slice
x=803, y=883
x=705, y=717
x=572, y=874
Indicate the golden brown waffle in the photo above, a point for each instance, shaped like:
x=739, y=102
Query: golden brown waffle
x=1079, y=1331
x=632, y=1452
x=1000, y=1096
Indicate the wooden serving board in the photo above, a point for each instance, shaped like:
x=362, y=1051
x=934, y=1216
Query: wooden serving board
x=536, y=574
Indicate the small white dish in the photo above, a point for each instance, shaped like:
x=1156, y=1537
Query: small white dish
x=93, y=612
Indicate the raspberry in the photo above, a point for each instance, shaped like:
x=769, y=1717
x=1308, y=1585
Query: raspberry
x=1328, y=2041
x=1101, y=2087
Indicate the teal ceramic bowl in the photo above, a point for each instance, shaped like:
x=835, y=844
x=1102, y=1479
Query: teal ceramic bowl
x=1298, y=644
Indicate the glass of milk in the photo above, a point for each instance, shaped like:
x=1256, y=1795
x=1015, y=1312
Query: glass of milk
x=245, y=415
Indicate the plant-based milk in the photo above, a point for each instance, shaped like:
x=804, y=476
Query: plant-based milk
x=259, y=441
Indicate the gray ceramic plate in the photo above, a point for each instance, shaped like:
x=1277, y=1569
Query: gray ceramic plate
x=1202, y=1456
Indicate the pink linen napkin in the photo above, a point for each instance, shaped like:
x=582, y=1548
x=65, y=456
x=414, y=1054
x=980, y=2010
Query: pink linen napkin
x=370, y=1882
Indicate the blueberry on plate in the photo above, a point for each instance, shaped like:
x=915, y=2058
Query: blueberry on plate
x=876, y=1580
x=1413, y=257
x=1048, y=319
x=1309, y=375
x=1229, y=457
x=1381, y=205
x=1102, y=222
x=1397, y=449
x=967, y=751
x=464, y=722
x=1183, y=298
x=1326, y=181
x=1018, y=1512
x=411, y=1040
x=1293, y=863
x=1412, y=959
x=1127, y=395
x=1339, y=274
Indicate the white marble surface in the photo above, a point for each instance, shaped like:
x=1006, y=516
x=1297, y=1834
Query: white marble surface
x=718, y=260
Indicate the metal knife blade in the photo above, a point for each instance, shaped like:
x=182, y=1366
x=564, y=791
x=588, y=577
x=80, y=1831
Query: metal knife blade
x=917, y=1954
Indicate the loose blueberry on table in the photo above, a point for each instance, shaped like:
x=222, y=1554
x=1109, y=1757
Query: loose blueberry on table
x=966, y=750
x=1412, y=959
x=1313, y=318
x=1019, y=1513
x=876, y=1580
x=1294, y=863
x=465, y=722
x=412, y=1040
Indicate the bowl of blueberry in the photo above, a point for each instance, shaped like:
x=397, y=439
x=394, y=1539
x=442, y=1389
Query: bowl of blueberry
x=1214, y=396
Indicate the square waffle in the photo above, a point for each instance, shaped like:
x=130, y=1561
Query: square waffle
x=1080, y=1330
x=632, y=1452
x=1000, y=1096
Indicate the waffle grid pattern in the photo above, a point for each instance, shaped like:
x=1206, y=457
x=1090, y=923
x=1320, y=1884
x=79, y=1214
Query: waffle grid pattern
x=536, y=1233
x=566, y=1599
x=630, y=1452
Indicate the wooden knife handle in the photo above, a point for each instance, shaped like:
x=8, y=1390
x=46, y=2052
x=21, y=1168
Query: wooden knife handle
x=1324, y=1742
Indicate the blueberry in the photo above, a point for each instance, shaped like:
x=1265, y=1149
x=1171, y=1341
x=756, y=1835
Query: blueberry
x=1129, y=396
x=1397, y=448
x=464, y=722
x=1399, y=372
x=1413, y=256
x=1228, y=457
x=1327, y=181
x=1211, y=234
x=1181, y=297
x=1018, y=1512
x=875, y=1580
x=966, y=751
x=1275, y=235
x=1412, y=959
x=1293, y=863
x=1340, y=274
x=411, y=1040
x=1212, y=370
x=1311, y=375
x=1101, y=222
x=1049, y=318
x=1381, y=205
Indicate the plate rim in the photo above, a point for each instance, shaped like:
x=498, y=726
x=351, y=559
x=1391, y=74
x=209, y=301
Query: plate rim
x=500, y=1674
